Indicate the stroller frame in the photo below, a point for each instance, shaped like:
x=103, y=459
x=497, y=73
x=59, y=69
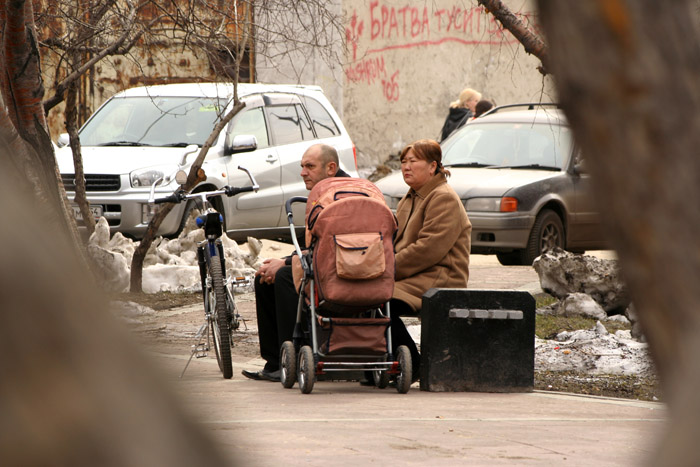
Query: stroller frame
x=302, y=359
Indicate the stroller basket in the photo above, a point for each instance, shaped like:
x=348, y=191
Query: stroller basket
x=357, y=336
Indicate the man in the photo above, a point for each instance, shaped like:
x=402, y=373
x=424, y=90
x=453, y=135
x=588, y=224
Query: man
x=275, y=295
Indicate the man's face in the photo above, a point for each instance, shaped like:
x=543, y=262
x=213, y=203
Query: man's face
x=312, y=169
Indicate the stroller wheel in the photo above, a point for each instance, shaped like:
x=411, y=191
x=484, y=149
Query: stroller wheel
x=403, y=380
x=307, y=370
x=381, y=378
x=288, y=364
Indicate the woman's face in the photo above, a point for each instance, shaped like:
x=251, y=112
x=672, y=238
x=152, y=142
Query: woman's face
x=416, y=172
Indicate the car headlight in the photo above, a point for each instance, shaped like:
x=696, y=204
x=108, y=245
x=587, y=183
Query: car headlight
x=505, y=204
x=146, y=177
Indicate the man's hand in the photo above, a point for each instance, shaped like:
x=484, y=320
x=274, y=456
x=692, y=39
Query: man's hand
x=269, y=269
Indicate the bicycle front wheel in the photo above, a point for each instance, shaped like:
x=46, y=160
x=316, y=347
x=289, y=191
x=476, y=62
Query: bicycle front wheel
x=218, y=321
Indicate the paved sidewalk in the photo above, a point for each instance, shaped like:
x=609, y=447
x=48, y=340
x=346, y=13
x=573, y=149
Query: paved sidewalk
x=260, y=423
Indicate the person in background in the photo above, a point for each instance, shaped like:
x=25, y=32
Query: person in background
x=433, y=239
x=482, y=107
x=461, y=110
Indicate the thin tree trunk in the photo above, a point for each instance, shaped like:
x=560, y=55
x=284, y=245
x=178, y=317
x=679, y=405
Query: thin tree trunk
x=72, y=127
x=628, y=76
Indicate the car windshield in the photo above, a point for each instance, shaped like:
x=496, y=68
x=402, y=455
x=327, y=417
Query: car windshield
x=511, y=145
x=152, y=121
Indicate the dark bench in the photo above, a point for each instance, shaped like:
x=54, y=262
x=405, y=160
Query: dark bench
x=477, y=340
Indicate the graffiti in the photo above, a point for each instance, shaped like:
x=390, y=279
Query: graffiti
x=406, y=27
x=457, y=19
x=409, y=22
x=353, y=33
x=391, y=87
x=413, y=21
x=368, y=70
x=371, y=70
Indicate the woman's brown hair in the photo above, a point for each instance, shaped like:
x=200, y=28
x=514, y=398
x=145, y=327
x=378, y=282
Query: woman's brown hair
x=428, y=150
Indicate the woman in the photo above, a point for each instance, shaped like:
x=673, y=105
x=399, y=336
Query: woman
x=461, y=110
x=433, y=239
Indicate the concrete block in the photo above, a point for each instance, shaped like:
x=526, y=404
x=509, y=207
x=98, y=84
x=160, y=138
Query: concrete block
x=477, y=340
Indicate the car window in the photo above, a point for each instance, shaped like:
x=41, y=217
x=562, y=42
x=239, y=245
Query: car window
x=152, y=121
x=509, y=144
x=306, y=131
x=250, y=122
x=285, y=124
x=322, y=121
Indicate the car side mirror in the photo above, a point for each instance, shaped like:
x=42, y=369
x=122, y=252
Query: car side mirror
x=241, y=143
x=189, y=149
x=63, y=140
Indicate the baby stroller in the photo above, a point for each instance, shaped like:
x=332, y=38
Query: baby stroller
x=345, y=280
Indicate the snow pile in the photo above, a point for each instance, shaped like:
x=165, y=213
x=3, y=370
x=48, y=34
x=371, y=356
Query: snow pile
x=594, y=351
x=169, y=265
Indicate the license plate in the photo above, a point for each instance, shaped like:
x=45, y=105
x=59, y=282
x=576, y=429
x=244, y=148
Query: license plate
x=95, y=210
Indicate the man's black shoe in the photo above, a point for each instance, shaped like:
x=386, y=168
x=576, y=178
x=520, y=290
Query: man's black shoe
x=265, y=375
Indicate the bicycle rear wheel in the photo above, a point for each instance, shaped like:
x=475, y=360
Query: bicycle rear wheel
x=218, y=321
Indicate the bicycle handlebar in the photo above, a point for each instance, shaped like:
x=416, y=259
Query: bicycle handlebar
x=174, y=198
x=180, y=196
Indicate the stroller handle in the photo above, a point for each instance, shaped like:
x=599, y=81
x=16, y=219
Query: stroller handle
x=288, y=205
x=290, y=219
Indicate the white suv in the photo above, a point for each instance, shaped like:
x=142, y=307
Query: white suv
x=145, y=133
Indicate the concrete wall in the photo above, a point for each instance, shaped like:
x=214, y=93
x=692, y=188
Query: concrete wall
x=407, y=60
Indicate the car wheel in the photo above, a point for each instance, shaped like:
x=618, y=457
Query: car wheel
x=547, y=233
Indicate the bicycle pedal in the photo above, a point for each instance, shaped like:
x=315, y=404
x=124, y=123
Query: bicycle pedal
x=200, y=350
x=241, y=281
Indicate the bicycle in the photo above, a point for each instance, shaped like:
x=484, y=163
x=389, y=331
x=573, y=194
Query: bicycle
x=221, y=316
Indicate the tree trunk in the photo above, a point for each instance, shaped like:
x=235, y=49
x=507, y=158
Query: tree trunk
x=24, y=118
x=72, y=127
x=628, y=76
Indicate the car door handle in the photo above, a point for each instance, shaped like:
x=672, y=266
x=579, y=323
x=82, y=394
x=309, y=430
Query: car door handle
x=271, y=158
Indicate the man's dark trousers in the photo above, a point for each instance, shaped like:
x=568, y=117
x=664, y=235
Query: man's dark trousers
x=276, y=307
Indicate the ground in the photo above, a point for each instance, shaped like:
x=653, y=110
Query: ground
x=629, y=387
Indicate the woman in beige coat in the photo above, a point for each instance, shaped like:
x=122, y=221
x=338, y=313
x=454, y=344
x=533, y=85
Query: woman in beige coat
x=433, y=240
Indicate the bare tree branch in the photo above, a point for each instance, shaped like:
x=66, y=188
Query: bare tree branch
x=532, y=43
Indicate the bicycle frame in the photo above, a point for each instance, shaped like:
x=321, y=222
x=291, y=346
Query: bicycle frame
x=219, y=304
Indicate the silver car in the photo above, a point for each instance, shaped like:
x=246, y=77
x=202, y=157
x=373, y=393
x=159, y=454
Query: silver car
x=522, y=182
x=145, y=133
